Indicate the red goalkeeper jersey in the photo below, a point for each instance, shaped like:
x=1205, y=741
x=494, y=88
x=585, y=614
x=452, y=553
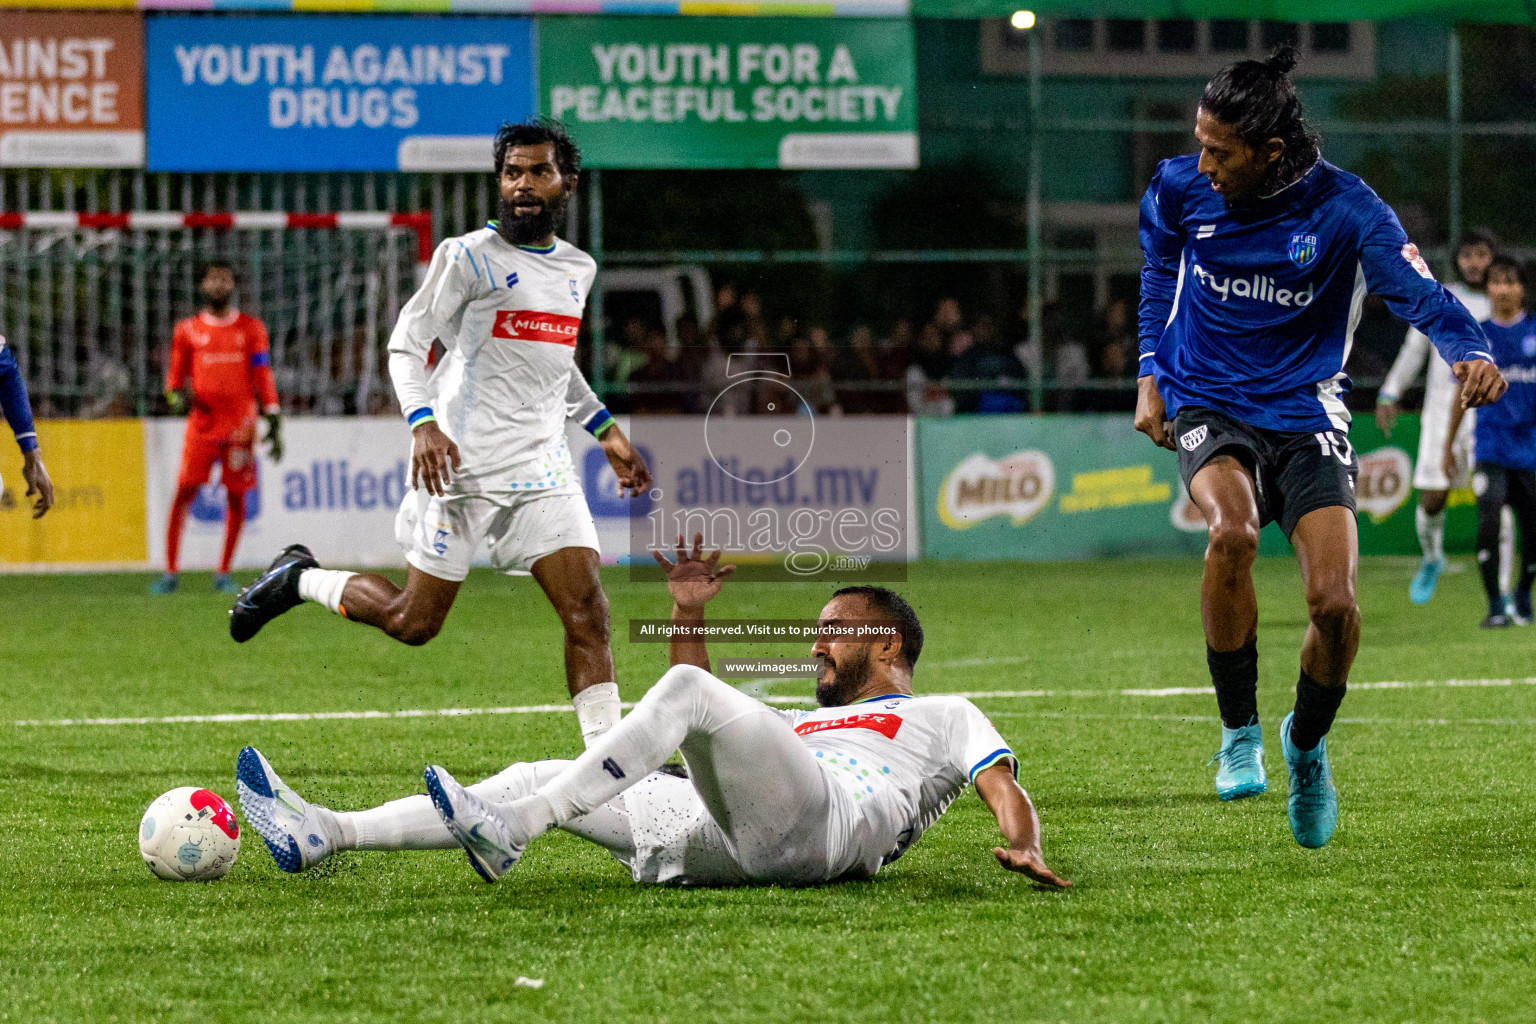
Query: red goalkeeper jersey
x=228, y=366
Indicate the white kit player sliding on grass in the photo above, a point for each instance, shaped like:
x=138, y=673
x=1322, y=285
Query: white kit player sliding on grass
x=489, y=459
x=773, y=796
x=1473, y=255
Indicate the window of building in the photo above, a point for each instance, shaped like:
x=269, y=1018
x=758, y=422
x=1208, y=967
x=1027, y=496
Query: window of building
x=1125, y=34
x=1280, y=33
x=1176, y=47
x=1229, y=36
x=1073, y=35
x=1176, y=36
x=1330, y=37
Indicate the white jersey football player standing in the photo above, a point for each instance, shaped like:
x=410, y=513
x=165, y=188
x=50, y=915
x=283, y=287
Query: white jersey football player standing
x=773, y=796
x=489, y=459
x=1429, y=473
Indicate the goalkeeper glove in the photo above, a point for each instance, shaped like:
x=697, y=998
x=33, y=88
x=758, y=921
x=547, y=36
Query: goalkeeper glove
x=275, y=436
x=176, y=403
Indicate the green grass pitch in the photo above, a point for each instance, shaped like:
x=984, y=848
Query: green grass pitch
x=1422, y=909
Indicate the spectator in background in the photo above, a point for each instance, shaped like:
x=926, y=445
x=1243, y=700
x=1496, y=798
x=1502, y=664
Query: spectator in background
x=817, y=385
x=854, y=368
x=926, y=395
x=988, y=358
x=1068, y=358
x=658, y=385
x=1117, y=358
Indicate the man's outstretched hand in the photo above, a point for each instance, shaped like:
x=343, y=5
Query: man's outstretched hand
x=1031, y=863
x=1481, y=383
x=692, y=580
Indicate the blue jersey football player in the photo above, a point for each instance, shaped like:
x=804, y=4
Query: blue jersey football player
x=1259, y=254
x=1505, y=444
x=18, y=413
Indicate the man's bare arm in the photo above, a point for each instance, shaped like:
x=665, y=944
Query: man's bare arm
x=1020, y=825
x=693, y=581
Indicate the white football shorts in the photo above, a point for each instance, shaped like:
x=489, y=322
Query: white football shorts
x=1428, y=475
x=440, y=535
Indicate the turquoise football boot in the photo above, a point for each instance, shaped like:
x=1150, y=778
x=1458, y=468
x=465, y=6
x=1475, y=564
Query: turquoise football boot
x=168, y=583
x=1241, y=760
x=1314, y=805
x=222, y=584
x=1425, y=580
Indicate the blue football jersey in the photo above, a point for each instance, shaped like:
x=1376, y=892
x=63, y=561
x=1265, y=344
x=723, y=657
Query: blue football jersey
x=1251, y=309
x=1506, y=430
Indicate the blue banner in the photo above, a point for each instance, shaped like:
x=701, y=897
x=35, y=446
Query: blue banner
x=333, y=93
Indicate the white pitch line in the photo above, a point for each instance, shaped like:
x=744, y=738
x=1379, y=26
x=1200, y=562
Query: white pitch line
x=538, y=709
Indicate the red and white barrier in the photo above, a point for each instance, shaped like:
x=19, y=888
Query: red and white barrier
x=244, y=220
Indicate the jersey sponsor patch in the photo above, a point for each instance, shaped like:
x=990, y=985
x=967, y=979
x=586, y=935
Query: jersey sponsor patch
x=1410, y=253
x=1303, y=249
x=886, y=725
x=1194, y=438
x=529, y=325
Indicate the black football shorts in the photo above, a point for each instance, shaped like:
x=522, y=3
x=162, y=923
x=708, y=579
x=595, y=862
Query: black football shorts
x=1296, y=471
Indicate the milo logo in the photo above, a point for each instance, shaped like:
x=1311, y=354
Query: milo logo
x=1017, y=486
x=1386, y=478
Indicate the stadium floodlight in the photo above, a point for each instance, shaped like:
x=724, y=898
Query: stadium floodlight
x=1022, y=20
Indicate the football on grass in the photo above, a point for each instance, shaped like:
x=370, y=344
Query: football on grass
x=189, y=835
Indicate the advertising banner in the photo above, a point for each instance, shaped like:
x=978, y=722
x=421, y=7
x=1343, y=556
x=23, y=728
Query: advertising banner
x=334, y=93
x=733, y=92
x=336, y=490
x=1052, y=488
x=71, y=89
x=97, y=521
x=786, y=497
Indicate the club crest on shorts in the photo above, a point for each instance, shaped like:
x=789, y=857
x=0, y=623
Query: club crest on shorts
x=1303, y=249
x=1194, y=438
x=440, y=542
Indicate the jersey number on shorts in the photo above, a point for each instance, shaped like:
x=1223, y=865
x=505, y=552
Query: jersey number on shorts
x=1335, y=443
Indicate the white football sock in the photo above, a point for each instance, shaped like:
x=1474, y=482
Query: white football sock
x=1431, y=533
x=1506, y=549
x=407, y=824
x=412, y=823
x=324, y=586
x=597, y=710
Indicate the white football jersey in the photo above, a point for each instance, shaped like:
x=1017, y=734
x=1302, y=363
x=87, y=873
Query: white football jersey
x=1439, y=381
x=508, y=317
x=904, y=760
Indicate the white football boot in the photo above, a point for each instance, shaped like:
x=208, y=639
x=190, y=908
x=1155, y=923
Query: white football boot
x=299, y=834
x=493, y=842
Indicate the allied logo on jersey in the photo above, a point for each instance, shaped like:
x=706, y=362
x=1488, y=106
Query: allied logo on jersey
x=511, y=279
x=1195, y=438
x=1410, y=252
x=1528, y=345
x=886, y=725
x=1258, y=287
x=530, y=325
x=570, y=279
x=1303, y=250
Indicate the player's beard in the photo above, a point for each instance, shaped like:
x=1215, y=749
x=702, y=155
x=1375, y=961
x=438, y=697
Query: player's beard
x=839, y=685
x=532, y=228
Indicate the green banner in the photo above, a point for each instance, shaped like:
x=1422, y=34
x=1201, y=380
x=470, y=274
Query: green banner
x=733, y=92
x=1053, y=488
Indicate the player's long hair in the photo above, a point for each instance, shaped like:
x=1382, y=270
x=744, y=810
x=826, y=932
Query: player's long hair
x=1258, y=100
